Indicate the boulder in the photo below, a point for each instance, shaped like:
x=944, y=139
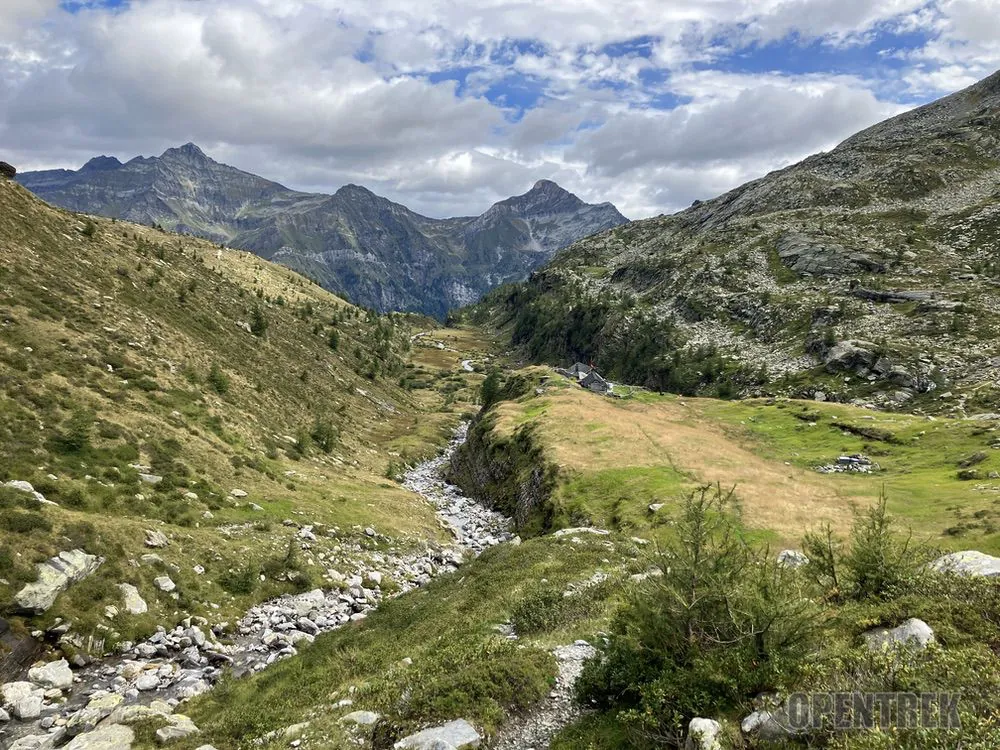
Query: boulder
x=850, y=356
x=134, y=603
x=146, y=682
x=968, y=563
x=26, y=487
x=703, y=734
x=238, y=493
x=362, y=718
x=792, y=558
x=152, y=479
x=55, y=576
x=27, y=708
x=180, y=726
x=819, y=256
x=458, y=734
x=912, y=633
x=110, y=737
x=156, y=539
x=55, y=674
x=164, y=583
x=766, y=726
x=99, y=707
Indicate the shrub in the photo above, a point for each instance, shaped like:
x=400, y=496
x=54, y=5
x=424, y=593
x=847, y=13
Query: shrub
x=23, y=522
x=722, y=624
x=325, y=434
x=258, y=322
x=875, y=565
x=240, y=582
x=218, y=380
x=75, y=435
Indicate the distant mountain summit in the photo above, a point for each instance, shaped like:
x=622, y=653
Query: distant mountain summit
x=354, y=242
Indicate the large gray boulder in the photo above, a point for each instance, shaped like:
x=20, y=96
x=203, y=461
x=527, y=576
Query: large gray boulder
x=913, y=633
x=792, y=558
x=850, y=356
x=818, y=256
x=134, y=603
x=110, y=737
x=968, y=563
x=457, y=735
x=55, y=576
x=55, y=674
x=703, y=734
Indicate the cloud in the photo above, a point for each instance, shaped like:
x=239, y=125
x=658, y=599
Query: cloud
x=448, y=105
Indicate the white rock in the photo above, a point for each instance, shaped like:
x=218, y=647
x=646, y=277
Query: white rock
x=458, y=734
x=180, y=727
x=110, y=737
x=581, y=530
x=163, y=583
x=150, y=478
x=29, y=707
x=53, y=577
x=792, y=558
x=147, y=682
x=238, y=493
x=703, y=734
x=156, y=539
x=56, y=674
x=22, y=486
x=969, y=563
x=913, y=632
x=363, y=718
x=134, y=603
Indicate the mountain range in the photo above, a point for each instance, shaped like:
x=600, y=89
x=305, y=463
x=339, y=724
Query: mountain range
x=869, y=273
x=378, y=253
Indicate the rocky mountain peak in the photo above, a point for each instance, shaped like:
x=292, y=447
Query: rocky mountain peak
x=189, y=153
x=101, y=163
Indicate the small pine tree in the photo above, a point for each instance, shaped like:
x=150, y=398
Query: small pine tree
x=258, y=322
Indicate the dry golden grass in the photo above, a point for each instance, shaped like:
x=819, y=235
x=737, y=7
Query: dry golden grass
x=586, y=433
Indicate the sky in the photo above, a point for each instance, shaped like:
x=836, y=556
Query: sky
x=449, y=105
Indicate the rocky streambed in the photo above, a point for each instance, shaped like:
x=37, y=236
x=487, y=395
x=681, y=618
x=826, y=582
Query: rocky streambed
x=54, y=705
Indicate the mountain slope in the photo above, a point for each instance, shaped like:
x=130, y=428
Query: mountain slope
x=158, y=382
x=377, y=252
x=867, y=273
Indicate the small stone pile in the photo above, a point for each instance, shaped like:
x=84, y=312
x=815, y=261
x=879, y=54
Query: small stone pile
x=857, y=463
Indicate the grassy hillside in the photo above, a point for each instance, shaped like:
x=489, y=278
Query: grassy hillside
x=613, y=458
x=125, y=350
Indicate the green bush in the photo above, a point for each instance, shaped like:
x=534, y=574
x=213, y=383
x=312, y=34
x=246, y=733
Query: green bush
x=240, y=582
x=877, y=562
x=218, y=380
x=75, y=434
x=23, y=522
x=325, y=434
x=722, y=624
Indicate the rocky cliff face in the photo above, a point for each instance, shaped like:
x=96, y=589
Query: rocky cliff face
x=356, y=243
x=886, y=244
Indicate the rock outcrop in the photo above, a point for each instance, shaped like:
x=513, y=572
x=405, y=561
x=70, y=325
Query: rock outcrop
x=55, y=576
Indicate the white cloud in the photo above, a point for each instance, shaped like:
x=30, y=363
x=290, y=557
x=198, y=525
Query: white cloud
x=316, y=93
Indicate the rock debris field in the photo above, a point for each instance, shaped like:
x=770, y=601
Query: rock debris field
x=56, y=706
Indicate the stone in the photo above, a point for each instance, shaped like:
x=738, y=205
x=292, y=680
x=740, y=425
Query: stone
x=766, y=726
x=816, y=255
x=912, y=633
x=180, y=727
x=147, y=682
x=968, y=563
x=110, y=737
x=792, y=558
x=151, y=479
x=654, y=507
x=362, y=718
x=163, y=583
x=238, y=493
x=55, y=576
x=100, y=706
x=703, y=734
x=850, y=356
x=28, y=707
x=156, y=539
x=4, y=716
x=134, y=603
x=458, y=734
x=56, y=674
x=26, y=487
x=581, y=530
